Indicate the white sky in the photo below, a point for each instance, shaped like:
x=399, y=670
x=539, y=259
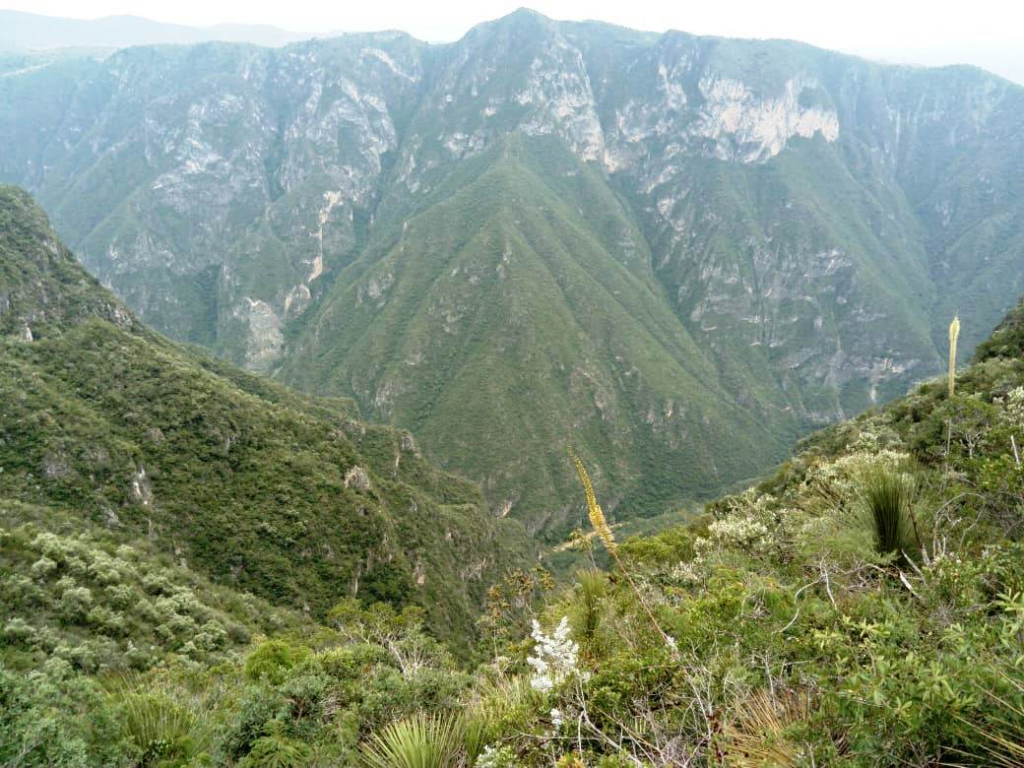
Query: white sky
x=986, y=33
x=846, y=25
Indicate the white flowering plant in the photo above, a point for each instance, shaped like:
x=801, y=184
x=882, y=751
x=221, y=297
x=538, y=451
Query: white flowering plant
x=554, y=657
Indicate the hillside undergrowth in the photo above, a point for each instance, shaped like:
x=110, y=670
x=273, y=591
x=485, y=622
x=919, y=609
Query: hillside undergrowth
x=790, y=629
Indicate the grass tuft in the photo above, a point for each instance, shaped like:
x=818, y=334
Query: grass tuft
x=887, y=496
x=162, y=730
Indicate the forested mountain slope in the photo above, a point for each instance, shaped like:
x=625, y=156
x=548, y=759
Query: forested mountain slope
x=248, y=483
x=755, y=237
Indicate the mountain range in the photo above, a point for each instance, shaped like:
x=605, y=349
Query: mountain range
x=678, y=253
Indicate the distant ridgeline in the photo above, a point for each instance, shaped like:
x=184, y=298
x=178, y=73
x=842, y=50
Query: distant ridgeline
x=678, y=252
x=108, y=430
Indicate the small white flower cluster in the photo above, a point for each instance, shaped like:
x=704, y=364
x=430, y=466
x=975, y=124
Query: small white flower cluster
x=688, y=572
x=841, y=475
x=1015, y=406
x=554, y=657
x=742, y=532
x=881, y=439
x=492, y=757
x=942, y=560
x=751, y=504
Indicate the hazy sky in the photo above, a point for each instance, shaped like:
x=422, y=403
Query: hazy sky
x=986, y=33
x=850, y=24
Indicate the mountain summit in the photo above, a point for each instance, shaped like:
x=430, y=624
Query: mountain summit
x=677, y=252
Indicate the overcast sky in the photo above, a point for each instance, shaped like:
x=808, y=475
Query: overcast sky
x=968, y=30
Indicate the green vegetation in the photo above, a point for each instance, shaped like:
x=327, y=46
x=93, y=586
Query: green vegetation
x=887, y=495
x=416, y=742
x=104, y=424
x=680, y=253
x=861, y=607
x=78, y=594
x=41, y=284
x=506, y=298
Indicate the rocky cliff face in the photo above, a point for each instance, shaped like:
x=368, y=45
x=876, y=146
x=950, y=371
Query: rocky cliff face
x=796, y=225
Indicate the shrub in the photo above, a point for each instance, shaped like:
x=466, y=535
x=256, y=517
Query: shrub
x=272, y=659
x=19, y=632
x=276, y=750
x=43, y=567
x=75, y=603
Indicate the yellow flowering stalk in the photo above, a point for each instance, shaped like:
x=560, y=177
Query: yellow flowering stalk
x=594, y=511
x=954, y=334
x=604, y=531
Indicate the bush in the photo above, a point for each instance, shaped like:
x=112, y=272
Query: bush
x=272, y=659
x=276, y=750
x=75, y=603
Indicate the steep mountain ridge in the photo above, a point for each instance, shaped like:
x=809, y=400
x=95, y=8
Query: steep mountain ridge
x=798, y=223
x=530, y=307
x=41, y=284
x=251, y=484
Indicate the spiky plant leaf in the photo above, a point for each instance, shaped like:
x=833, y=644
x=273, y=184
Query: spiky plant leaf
x=419, y=741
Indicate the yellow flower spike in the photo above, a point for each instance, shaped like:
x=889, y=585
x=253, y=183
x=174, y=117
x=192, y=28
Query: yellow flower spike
x=954, y=334
x=604, y=531
x=594, y=511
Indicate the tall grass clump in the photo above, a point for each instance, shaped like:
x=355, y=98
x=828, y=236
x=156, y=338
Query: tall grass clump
x=757, y=735
x=591, y=588
x=418, y=741
x=476, y=727
x=498, y=699
x=887, y=496
x=998, y=740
